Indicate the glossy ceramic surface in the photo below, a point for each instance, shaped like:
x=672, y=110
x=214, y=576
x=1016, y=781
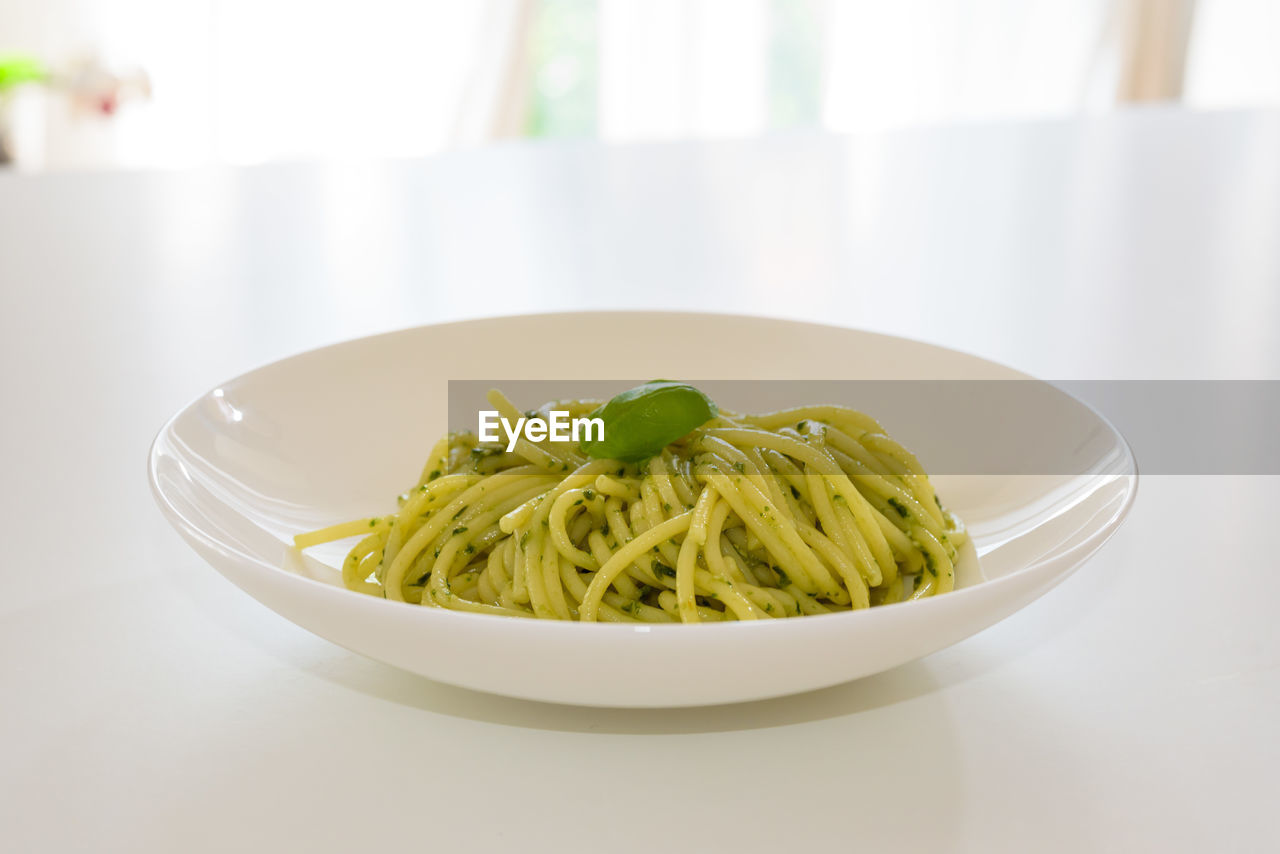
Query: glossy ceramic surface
x=336, y=433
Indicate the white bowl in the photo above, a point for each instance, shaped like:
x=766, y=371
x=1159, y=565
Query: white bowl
x=336, y=433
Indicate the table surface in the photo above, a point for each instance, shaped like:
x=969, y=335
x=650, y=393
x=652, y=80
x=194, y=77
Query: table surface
x=150, y=706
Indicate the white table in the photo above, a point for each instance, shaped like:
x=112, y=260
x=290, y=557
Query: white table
x=147, y=705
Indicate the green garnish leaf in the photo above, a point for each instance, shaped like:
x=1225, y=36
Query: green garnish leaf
x=640, y=422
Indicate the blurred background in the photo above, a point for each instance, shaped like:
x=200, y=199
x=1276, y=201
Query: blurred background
x=92, y=84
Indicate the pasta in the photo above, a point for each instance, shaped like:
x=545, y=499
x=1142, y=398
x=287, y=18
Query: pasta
x=804, y=511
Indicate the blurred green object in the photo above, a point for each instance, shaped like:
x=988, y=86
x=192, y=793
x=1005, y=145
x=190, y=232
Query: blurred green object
x=562, y=54
x=16, y=70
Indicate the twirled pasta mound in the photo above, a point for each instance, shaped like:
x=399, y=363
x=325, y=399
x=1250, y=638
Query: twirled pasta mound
x=803, y=511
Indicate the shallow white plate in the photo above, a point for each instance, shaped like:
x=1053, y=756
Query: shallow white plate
x=336, y=433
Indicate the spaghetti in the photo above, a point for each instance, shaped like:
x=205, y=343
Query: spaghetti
x=804, y=511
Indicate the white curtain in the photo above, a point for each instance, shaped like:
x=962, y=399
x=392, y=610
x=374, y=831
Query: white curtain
x=244, y=81
x=298, y=78
x=921, y=61
x=1234, y=58
x=705, y=67
x=671, y=68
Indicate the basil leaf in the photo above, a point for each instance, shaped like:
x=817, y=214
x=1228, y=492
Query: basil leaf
x=640, y=422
